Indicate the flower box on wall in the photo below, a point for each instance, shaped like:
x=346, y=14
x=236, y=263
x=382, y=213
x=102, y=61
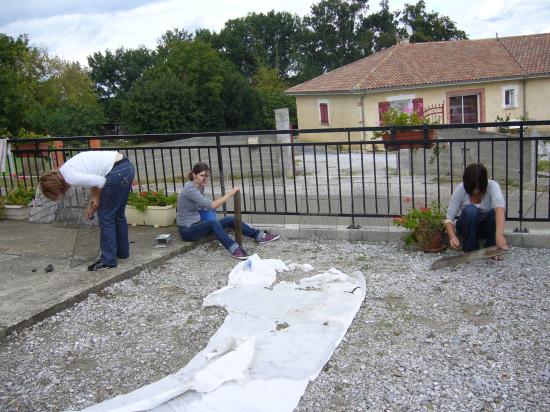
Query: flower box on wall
x=409, y=135
x=157, y=216
x=17, y=212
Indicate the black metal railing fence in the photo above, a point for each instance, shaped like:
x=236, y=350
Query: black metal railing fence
x=345, y=175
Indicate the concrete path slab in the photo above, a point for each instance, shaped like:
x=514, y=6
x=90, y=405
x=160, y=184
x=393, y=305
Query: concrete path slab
x=30, y=294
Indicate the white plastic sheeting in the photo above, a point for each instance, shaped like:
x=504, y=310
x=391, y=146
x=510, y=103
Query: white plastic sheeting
x=273, y=342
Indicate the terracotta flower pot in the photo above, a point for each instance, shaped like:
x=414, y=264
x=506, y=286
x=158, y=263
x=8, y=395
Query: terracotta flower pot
x=408, y=135
x=430, y=241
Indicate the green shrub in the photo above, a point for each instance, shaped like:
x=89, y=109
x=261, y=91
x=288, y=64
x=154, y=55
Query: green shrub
x=140, y=200
x=422, y=220
x=394, y=117
x=505, y=118
x=20, y=196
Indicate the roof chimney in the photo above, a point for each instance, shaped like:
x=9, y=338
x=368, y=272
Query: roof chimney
x=406, y=37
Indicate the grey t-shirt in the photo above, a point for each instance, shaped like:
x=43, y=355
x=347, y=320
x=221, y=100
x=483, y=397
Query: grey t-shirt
x=190, y=201
x=491, y=199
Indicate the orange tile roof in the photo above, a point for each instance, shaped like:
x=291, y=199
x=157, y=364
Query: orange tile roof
x=419, y=64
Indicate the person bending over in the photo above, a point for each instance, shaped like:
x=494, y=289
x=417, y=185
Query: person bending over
x=192, y=200
x=109, y=175
x=476, y=210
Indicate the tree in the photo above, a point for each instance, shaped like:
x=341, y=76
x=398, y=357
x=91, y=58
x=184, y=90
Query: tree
x=169, y=38
x=192, y=89
x=333, y=38
x=271, y=91
x=174, y=35
x=20, y=71
x=242, y=104
x=44, y=95
x=67, y=102
x=207, y=36
x=257, y=40
x=379, y=30
x=115, y=72
x=429, y=26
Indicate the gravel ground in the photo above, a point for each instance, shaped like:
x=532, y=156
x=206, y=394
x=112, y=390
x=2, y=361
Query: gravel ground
x=471, y=338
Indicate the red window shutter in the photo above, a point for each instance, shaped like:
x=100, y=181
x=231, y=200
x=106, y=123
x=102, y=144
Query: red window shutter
x=383, y=107
x=323, y=111
x=418, y=107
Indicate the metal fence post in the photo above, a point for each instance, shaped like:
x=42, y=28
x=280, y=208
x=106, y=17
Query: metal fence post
x=353, y=225
x=238, y=219
x=220, y=169
x=521, y=229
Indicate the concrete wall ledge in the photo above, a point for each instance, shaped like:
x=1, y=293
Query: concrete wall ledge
x=534, y=239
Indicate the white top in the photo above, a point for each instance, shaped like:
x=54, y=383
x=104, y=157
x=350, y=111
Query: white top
x=491, y=199
x=88, y=169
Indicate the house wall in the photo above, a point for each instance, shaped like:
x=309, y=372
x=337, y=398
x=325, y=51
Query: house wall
x=491, y=103
x=538, y=98
x=430, y=96
x=345, y=110
x=494, y=103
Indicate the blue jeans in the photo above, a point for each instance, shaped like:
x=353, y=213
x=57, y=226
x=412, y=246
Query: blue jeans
x=216, y=227
x=111, y=213
x=472, y=225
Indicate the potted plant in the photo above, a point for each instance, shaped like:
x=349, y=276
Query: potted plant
x=426, y=225
x=18, y=203
x=151, y=208
x=394, y=117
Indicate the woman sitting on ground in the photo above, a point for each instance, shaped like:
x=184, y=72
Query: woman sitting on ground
x=479, y=205
x=191, y=200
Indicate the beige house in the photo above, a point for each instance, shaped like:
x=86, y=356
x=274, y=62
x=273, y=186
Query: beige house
x=463, y=81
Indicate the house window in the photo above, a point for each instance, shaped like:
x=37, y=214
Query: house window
x=404, y=106
x=464, y=109
x=509, y=97
x=407, y=105
x=323, y=113
x=402, y=102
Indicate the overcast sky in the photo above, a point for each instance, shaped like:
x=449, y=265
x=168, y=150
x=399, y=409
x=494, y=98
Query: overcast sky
x=74, y=29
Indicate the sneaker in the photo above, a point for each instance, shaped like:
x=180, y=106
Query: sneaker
x=97, y=266
x=267, y=237
x=239, y=254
